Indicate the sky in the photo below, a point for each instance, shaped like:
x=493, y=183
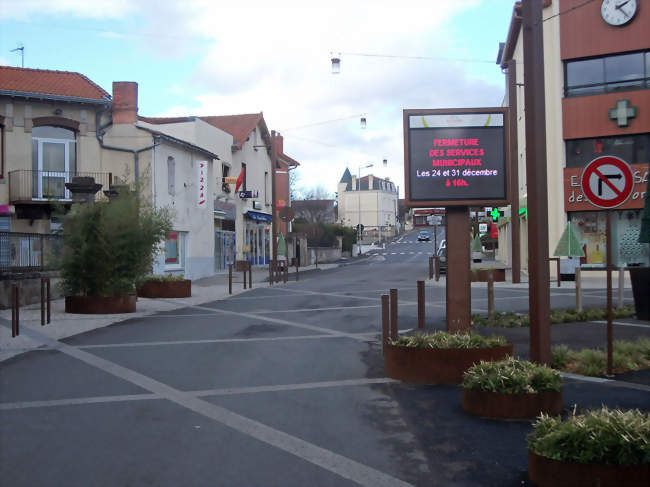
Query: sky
x=206, y=57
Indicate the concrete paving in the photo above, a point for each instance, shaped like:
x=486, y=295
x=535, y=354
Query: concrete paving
x=278, y=386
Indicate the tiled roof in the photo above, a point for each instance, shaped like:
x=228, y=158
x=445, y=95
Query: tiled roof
x=47, y=82
x=239, y=126
x=163, y=120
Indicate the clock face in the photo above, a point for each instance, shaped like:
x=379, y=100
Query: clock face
x=618, y=12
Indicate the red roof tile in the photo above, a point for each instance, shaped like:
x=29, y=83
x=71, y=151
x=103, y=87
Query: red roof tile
x=239, y=126
x=46, y=82
x=163, y=120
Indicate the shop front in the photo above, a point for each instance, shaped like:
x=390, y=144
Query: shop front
x=257, y=239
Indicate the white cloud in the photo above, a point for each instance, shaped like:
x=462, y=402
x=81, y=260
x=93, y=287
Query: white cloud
x=95, y=9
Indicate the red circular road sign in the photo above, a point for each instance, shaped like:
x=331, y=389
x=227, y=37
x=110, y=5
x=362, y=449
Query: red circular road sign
x=607, y=182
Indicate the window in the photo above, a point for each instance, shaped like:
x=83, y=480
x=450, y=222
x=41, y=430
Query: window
x=225, y=172
x=171, y=175
x=175, y=250
x=2, y=148
x=635, y=149
x=607, y=74
x=243, y=166
x=54, y=161
x=266, y=182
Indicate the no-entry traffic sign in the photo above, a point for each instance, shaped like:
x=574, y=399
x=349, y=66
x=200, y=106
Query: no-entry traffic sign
x=607, y=182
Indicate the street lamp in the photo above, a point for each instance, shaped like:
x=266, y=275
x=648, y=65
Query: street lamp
x=359, y=200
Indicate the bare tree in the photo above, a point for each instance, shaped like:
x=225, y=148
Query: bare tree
x=293, y=185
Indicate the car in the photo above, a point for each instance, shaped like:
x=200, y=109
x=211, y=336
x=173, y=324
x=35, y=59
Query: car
x=442, y=257
x=443, y=245
x=423, y=236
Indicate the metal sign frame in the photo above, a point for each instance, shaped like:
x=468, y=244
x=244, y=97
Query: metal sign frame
x=503, y=111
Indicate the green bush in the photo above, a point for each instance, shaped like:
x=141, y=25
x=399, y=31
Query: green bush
x=512, y=376
x=516, y=320
x=442, y=339
x=163, y=278
x=110, y=245
x=626, y=356
x=606, y=437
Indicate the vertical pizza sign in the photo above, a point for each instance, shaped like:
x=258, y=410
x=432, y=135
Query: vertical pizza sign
x=202, y=177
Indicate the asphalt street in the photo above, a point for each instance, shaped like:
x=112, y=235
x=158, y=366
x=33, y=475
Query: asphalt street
x=279, y=386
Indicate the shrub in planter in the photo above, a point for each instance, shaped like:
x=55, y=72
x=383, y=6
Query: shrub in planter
x=600, y=448
x=511, y=388
x=627, y=356
x=441, y=357
x=165, y=286
x=109, y=246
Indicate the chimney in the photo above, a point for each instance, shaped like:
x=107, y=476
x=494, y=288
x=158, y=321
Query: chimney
x=279, y=143
x=125, y=102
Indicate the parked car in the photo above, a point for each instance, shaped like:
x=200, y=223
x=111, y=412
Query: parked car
x=442, y=256
x=443, y=245
x=423, y=236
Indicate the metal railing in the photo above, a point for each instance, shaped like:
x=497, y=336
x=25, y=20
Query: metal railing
x=30, y=185
x=21, y=252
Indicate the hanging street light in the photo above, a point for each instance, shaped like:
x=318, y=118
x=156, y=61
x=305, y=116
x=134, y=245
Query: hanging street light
x=336, y=64
x=363, y=122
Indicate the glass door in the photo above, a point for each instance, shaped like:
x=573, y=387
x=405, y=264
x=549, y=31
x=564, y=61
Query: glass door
x=54, y=168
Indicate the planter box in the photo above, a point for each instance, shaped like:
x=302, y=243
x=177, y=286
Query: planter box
x=511, y=406
x=166, y=289
x=640, y=277
x=481, y=275
x=436, y=365
x=99, y=305
x=545, y=472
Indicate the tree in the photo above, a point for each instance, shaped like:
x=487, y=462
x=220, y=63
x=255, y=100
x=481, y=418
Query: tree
x=293, y=185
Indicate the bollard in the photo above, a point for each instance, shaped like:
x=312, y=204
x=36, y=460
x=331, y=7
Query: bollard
x=421, y=304
x=15, y=311
x=385, y=323
x=286, y=271
x=229, y=278
x=490, y=288
x=393, y=314
x=49, y=300
x=437, y=268
x=621, y=286
x=250, y=276
x=244, y=275
x=42, y=301
x=430, y=267
x=578, y=289
x=296, y=270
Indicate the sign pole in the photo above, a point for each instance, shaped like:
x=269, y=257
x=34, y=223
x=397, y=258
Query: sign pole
x=608, y=232
x=458, y=287
x=538, y=282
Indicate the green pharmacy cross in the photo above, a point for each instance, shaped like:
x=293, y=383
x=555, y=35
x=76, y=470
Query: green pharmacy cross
x=495, y=214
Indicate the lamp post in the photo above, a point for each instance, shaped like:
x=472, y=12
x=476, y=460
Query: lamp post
x=359, y=206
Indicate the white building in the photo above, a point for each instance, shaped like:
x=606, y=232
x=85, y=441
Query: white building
x=371, y=201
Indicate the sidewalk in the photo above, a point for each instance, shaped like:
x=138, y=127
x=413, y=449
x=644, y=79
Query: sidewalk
x=66, y=324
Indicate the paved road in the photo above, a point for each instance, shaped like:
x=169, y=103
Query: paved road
x=407, y=249
x=280, y=386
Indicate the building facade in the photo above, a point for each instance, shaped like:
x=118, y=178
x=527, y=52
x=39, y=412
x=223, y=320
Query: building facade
x=597, y=85
x=371, y=201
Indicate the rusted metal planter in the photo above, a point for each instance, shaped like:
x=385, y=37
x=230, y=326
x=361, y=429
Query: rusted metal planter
x=100, y=305
x=436, y=365
x=511, y=406
x=166, y=289
x=545, y=472
x=482, y=275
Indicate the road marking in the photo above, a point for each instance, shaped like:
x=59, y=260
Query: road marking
x=333, y=462
x=229, y=391
x=621, y=323
x=608, y=382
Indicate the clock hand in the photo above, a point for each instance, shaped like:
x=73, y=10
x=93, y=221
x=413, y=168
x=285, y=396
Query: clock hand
x=618, y=7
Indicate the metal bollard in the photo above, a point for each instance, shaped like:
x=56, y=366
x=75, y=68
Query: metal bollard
x=15, y=311
x=296, y=270
x=42, y=301
x=286, y=271
x=430, y=267
x=244, y=275
x=437, y=268
x=393, y=314
x=229, y=278
x=49, y=300
x=250, y=276
x=421, y=305
x=578, y=289
x=490, y=291
x=621, y=286
x=385, y=320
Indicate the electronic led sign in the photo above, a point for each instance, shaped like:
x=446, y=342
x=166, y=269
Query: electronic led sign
x=455, y=157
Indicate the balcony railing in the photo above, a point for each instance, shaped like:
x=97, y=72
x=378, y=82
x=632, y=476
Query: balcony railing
x=35, y=186
x=21, y=252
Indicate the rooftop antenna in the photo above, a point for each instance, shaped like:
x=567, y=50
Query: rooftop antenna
x=20, y=48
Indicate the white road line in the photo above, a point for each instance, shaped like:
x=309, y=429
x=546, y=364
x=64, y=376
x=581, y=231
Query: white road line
x=329, y=460
x=621, y=323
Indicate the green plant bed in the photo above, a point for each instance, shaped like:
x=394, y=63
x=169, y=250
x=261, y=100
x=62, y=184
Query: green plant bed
x=510, y=319
x=440, y=358
x=627, y=356
x=163, y=278
x=600, y=448
x=511, y=389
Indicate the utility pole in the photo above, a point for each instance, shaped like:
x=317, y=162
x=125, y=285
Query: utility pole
x=534, y=101
x=274, y=229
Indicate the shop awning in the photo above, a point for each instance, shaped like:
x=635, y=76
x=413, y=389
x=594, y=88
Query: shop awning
x=259, y=217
